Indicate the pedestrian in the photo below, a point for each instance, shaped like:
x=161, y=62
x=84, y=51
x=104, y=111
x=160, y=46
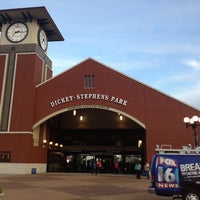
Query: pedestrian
x=94, y=167
x=138, y=170
x=147, y=168
x=99, y=166
x=116, y=167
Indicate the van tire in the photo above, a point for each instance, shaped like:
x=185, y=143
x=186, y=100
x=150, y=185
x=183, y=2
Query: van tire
x=191, y=194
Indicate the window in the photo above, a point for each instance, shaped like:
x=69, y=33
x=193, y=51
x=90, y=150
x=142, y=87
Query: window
x=88, y=81
x=5, y=156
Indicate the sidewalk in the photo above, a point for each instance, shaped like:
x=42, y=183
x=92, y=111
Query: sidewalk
x=68, y=186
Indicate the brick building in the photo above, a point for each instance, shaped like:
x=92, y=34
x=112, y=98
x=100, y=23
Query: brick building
x=89, y=111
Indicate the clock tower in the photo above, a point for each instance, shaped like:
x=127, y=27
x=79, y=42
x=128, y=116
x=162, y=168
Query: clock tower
x=25, y=34
x=24, y=64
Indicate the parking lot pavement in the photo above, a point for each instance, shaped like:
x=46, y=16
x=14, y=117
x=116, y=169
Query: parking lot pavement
x=68, y=186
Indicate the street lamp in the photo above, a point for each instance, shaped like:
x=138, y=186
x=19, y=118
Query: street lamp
x=194, y=122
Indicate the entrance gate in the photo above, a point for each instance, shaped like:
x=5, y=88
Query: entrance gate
x=103, y=135
x=62, y=161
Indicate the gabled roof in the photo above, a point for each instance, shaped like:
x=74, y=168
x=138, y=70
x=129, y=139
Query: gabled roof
x=92, y=62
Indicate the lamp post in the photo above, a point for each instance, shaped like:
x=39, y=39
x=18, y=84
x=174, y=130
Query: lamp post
x=194, y=122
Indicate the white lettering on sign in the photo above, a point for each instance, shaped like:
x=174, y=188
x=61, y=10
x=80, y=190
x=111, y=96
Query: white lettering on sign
x=61, y=101
x=167, y=185
x=90, y=96
x=88, y=106
x=118, y=100
x=167, y=161
x=190, y=167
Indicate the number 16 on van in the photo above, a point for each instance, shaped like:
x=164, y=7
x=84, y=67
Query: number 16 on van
x=167, y=176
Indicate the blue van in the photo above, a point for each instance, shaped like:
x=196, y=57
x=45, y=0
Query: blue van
x=176, y=172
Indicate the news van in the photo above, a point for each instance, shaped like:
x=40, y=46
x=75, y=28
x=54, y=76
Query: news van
x=176, y=172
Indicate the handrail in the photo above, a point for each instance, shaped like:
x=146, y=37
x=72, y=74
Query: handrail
x=164, y=149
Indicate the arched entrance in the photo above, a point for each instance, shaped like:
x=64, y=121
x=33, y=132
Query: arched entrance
x=88, y=133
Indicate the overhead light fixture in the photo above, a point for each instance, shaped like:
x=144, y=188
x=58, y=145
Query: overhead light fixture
x=74, y=112
x=52, y=145
x=81, y=118
x=44, y=142
x=139, y=144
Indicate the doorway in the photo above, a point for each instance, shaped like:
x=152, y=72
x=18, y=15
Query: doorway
x=62, y=161
x=100, y=135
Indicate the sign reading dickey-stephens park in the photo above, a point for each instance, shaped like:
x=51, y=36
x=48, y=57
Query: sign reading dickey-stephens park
x=90, y=96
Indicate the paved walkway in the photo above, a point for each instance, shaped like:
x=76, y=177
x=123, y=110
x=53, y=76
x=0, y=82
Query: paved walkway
x=65, y=186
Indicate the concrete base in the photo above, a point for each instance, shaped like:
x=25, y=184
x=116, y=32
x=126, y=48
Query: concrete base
x=22, y=168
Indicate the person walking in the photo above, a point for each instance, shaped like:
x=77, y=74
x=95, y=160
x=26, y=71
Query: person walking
x=94, y=167
x=147, y=168
x=116, y=166
x=99, y=166
x=138, y=170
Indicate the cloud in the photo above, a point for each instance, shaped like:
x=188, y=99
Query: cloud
x=61, y=64
x=190, y=95
x=177, y=78
x=193, y=63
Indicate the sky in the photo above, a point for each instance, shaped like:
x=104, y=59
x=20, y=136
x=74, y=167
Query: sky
x=156, y=42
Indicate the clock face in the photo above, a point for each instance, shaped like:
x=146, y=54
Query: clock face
x=17, y=32
x=42, y=39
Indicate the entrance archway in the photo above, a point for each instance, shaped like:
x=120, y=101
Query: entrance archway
x=92, y=133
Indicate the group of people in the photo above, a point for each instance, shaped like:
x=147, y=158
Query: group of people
x=138, y=170
x=96, y=167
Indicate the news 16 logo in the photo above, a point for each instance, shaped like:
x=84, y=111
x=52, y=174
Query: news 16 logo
x=167, y=173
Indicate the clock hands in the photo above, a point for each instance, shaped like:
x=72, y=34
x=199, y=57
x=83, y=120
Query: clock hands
x=43, y=39
x=17, y=32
